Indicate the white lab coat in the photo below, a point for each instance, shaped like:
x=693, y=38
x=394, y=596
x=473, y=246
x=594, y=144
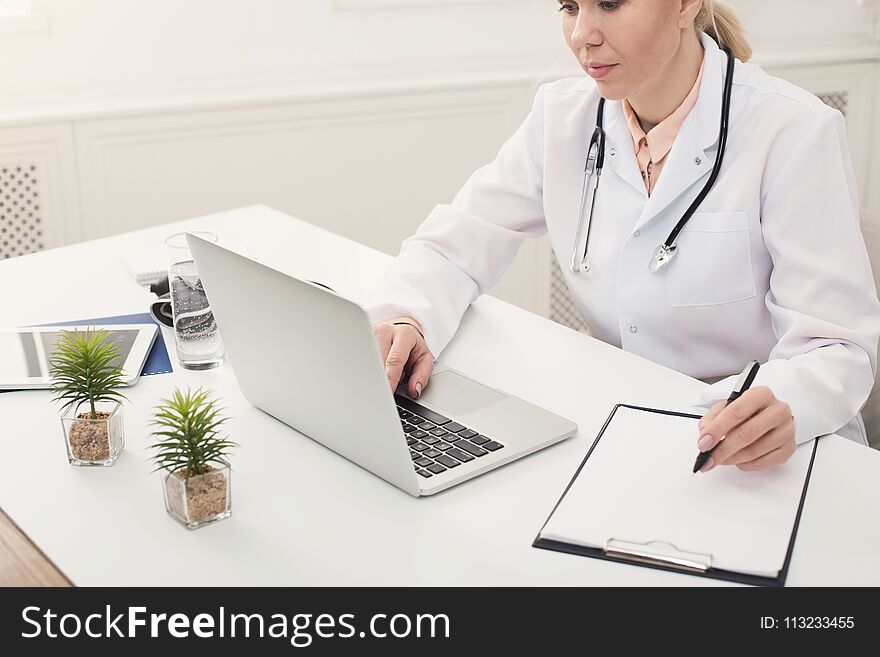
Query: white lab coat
x=772, y=266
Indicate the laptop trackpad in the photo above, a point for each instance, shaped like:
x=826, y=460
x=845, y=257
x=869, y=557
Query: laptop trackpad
x=457, y=394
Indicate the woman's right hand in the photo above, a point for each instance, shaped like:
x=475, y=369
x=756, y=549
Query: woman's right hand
x=404, y=351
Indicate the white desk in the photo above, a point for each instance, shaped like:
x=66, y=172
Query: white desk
x=304, y=516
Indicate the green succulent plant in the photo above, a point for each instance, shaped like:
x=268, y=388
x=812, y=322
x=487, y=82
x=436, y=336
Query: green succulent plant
x=188, y=435
x=81, y=369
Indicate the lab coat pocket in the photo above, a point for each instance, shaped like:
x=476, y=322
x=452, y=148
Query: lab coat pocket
x=713, y=264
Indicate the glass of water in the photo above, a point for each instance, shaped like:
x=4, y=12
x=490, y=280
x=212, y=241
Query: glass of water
x=195, y=331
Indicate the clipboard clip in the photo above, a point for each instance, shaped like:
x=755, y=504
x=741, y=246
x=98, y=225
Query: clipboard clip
x=658, y=553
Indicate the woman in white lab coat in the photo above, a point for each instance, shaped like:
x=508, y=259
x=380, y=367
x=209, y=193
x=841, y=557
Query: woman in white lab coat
x=771, y=267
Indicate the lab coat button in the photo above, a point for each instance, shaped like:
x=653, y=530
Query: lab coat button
x=612, y=152
x=637, y=233
x=633, y=329
x=698, y=161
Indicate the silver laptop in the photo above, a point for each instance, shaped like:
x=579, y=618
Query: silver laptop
x=307, y=356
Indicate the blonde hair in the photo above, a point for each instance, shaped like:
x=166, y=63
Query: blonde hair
x=721, y=23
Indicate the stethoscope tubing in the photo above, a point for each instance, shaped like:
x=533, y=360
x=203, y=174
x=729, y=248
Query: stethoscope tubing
x=593, y=169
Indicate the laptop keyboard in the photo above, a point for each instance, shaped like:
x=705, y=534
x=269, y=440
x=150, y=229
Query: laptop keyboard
x=436, y=443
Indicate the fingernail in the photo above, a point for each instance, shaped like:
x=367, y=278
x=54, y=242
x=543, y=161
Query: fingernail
x=705, y=443
x=418, y=389
x=709, y=465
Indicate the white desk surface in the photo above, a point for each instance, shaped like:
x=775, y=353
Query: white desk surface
x=303, y=515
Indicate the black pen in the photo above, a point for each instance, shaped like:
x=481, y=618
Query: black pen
x=742, y=384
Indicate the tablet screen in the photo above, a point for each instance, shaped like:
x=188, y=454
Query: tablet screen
x=25, y=354
x=18, y=355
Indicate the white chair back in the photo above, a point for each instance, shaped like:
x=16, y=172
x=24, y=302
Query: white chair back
x=870, y=221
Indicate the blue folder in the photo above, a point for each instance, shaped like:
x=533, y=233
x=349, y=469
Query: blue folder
x=157, y=361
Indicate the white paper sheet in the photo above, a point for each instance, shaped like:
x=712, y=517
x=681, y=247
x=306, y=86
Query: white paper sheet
x=637, y=486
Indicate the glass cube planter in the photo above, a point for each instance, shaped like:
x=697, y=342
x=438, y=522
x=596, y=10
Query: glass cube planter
x=94, y=442
x=201, y=499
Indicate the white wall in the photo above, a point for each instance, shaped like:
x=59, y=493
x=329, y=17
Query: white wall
x=112, y=50
x=133, y=48
x=358, y=115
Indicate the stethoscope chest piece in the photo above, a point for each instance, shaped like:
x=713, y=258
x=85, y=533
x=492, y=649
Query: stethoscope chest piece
x=663, y=255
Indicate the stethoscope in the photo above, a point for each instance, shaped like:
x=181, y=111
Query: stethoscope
x=664, y=253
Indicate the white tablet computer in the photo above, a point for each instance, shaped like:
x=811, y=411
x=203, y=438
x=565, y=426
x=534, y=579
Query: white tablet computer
x=25, y=352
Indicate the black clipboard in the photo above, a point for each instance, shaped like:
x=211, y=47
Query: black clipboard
x=648, y=560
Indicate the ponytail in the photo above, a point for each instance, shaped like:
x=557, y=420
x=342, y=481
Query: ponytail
x=721, y=23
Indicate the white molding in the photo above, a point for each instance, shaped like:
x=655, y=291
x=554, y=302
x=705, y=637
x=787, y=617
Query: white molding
x=50, y=147
x=872, y=12
x=96, y=139
x=346, y=84
x=473, y=74
x=806, y=53
x=101, y=145
x=366, y=5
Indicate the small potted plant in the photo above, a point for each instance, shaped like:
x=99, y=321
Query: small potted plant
x=193, y=456
x=86, y=368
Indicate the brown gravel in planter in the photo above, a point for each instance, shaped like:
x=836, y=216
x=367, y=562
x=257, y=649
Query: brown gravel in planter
x=90, y=441
x=205, y=494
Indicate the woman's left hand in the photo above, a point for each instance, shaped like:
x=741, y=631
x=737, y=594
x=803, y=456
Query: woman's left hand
x=759, y=432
